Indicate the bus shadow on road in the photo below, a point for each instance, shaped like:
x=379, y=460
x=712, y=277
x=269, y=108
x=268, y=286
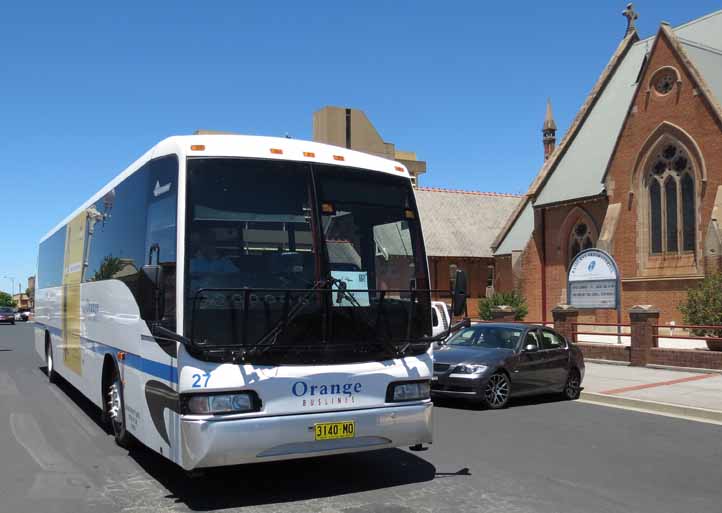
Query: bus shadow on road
x=286, y=481
x=272, y=482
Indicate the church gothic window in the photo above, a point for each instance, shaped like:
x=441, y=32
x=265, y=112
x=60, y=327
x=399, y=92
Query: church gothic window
x=663, y=80
x=580, y=239
x=671, y=190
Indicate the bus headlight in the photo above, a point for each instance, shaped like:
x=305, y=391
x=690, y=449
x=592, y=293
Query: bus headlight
x=214, y=404
x=408, y=391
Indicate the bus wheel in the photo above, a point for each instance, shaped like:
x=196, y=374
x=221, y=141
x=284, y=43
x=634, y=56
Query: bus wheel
x=115, y=406
x=50, y=362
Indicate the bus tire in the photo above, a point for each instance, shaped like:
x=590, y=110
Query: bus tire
x=50, y=361
x=114, y=406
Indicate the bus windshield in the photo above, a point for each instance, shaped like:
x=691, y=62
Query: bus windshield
x=301, y=262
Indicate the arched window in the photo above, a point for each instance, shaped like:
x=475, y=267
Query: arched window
x=670, y=181
x=580, y=239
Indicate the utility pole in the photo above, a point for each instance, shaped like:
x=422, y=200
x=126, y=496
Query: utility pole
x=12, y=290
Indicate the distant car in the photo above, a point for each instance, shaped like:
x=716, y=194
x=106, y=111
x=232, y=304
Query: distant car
x=492, y=362
x=440, y=318
x=21, y=316
x=7, y=314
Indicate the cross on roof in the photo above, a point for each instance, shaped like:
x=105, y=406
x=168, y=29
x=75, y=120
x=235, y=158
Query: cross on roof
x=631, y=15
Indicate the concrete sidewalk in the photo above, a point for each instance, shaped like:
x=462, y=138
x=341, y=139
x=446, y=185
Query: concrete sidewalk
x=693, y=395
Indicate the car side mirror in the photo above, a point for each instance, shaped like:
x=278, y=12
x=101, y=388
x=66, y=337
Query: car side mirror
x=459, y=294
x=531, y=348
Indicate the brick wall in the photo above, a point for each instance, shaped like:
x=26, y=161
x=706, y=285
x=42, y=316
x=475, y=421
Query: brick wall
x=700, y=359
x=692, y=358
x=477, y=273
x=612, y=352
x=504, y=277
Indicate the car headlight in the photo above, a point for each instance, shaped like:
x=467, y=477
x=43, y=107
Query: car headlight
x=408, y=391
x=469, y=369
x=214, y=404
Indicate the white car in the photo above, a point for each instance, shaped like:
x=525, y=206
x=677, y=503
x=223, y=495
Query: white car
x=440, y=318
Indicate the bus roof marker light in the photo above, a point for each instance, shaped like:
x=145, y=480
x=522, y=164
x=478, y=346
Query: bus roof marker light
x=198, y=147
x=399, y=169
x=339, y=157
x=309, y=154
x=277, y=151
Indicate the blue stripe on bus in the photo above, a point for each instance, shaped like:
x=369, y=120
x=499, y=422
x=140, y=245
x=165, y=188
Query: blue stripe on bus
x=157, y=369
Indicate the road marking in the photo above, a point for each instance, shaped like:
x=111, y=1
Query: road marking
x=27, y=432
x=657, y=384
x=7, y=384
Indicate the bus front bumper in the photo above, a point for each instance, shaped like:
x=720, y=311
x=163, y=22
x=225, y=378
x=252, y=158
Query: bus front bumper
x=217, y=442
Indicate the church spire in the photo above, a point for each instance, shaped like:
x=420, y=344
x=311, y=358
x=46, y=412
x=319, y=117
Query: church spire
x=549, y=131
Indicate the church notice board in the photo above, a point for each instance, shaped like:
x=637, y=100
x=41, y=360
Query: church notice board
x=593, y=280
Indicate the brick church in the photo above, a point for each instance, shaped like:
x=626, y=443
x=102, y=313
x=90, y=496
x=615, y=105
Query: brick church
x=638, y=174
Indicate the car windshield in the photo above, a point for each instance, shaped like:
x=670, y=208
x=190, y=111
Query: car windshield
x=271, y=244
x=481, y=336
x=6, y=310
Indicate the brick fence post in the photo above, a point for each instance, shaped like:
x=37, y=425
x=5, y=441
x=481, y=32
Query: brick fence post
x=564, y=318
x=643, y=319
x=503, y=313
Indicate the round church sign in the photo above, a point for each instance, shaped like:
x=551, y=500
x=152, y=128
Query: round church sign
x=593, y=280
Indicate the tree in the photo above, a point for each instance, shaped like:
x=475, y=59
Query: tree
x=108, y=268
x=703, y=307
x=7, y=300
x=513, y=299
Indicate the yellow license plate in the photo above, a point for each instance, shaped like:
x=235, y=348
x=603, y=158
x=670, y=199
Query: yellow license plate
x=335, y=430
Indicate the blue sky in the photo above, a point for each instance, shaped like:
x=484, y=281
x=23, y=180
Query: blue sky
x=87, y=88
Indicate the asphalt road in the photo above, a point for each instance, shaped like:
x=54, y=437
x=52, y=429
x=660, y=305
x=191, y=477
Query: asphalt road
x=536, y=456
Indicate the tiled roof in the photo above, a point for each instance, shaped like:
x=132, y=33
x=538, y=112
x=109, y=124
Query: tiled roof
x=462, y=223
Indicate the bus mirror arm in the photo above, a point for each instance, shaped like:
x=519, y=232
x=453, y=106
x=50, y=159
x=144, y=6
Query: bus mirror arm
x=163, y=332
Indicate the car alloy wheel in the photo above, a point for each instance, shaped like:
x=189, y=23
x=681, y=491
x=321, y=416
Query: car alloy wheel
x=573, y=387
x=497, y=390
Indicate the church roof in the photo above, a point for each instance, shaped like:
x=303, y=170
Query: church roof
x=462, y=223
x=578, y=166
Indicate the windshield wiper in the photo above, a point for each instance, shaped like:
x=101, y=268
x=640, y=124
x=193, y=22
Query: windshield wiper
x=289, y=316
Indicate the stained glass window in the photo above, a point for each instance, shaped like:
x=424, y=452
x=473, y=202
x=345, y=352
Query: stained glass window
x=655, y=207
x=688, y=213
x=670, y=182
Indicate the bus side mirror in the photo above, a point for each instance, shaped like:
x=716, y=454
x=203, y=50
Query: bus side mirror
x=154, y=273
x=458, y=304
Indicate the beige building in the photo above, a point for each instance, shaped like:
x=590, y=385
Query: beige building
x=350, y=128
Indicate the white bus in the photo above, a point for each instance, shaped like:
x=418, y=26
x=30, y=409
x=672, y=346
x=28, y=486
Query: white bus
x=231, y=299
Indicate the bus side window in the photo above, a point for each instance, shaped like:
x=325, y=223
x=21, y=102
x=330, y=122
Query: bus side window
x=161, y=229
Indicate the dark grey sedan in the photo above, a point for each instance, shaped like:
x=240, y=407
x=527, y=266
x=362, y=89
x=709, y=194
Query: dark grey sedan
x=7, y=314
x=492, y=362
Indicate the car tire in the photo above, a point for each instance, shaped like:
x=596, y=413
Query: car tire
x=496, y=391
x=573, y=385
x=50, y=362
x=115, y=408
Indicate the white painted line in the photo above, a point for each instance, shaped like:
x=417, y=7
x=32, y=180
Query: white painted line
x=27, y=432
